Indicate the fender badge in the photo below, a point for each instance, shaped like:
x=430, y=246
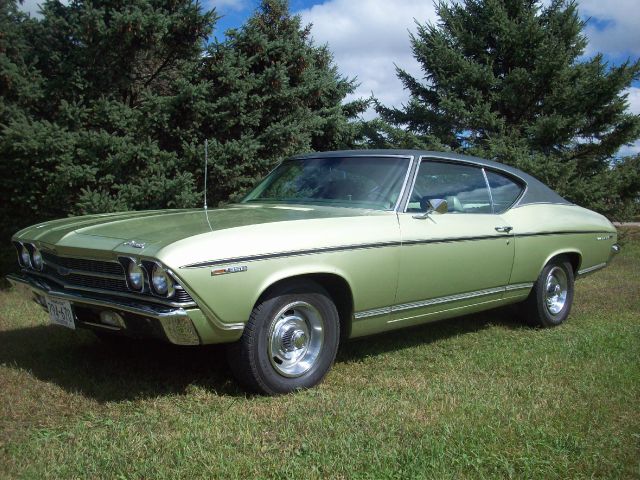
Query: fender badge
x=224, y=271
x=134, y=244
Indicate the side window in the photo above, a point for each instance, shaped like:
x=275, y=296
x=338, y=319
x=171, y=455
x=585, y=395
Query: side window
x=463, y=187
x=504, y=191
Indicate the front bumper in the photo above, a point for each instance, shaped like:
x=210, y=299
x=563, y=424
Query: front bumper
x=176, y=325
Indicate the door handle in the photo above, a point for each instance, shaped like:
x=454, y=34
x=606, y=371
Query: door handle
x=505, y=229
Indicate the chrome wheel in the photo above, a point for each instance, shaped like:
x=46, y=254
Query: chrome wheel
x=555, y=290
x=296, y=337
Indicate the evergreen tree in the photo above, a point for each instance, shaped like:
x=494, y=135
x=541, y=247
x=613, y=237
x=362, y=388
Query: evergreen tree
x=504, y=79
x=105, y=105
x=80, y=141
x=271, y=93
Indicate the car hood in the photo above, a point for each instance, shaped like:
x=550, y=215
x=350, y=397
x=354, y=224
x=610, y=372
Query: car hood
x=156, y=229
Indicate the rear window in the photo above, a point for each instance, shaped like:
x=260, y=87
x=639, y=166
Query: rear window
x=504, y=191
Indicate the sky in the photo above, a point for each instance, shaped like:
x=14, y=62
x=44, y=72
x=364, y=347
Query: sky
x=369, y=37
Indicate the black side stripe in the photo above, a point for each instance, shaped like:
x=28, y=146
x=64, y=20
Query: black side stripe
x=408, y=243
x=363, y=246
x=542, y=234
x=296, y=253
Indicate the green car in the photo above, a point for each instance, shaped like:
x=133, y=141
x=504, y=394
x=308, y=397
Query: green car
x=329, y=246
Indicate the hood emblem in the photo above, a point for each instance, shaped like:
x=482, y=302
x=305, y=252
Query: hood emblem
x=134, y=244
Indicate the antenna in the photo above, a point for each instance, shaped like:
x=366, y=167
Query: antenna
x=206, y=162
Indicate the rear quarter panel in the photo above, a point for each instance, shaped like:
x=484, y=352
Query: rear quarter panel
x=543, y=231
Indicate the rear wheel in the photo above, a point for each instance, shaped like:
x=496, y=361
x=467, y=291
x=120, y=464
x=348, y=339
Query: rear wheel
x=549, y=303
x=289, y=342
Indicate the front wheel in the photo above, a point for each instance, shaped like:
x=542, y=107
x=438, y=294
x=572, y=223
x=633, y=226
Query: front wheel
x=289, y=342
x=549, y=303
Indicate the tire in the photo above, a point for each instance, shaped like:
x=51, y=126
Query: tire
x=549, y=302
x=289, y=342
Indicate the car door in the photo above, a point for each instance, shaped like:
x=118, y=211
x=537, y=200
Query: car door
x=451, y=260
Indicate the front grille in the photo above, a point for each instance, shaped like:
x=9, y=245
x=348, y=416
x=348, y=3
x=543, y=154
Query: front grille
x=97, y=282
x=181, y=296
x=97, y=275
x=95, y=266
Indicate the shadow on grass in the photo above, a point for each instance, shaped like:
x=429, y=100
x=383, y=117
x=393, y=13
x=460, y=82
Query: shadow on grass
x=507, y=317
x=78, y=362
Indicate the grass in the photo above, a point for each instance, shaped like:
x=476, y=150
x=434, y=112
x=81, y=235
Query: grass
x=474, y=397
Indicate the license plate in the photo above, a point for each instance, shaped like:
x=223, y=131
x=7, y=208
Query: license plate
x=60, y=313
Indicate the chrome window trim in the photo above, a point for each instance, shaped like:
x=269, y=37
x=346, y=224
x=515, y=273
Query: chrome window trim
x=404, y=184
x=486, y=181
x=440, y=300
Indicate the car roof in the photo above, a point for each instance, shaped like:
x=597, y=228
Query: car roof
x=535, y=192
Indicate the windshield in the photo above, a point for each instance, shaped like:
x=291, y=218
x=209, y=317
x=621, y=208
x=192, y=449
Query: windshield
x=361, y=182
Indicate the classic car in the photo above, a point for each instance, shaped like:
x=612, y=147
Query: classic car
x=328, y=247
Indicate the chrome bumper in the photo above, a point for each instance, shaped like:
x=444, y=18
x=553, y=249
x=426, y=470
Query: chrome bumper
x=174, y=322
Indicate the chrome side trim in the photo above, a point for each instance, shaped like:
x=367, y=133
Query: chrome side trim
x=440, y=300
x=518, y=286
x=372, y=313
x=585, y=271
x=447, y=299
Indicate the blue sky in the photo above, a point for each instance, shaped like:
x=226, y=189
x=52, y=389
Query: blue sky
x=367, y=37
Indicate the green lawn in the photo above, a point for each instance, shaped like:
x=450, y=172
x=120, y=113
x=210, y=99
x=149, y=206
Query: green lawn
x=474, y=397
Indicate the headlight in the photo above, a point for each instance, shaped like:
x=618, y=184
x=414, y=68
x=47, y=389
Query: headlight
x=136, y=275
x=25, y=257
x=162, y=282
x=36, y=259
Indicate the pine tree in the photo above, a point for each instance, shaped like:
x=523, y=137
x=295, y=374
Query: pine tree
x=105, y=105
x=272, y=93
x=505, y=79
x=85, y=83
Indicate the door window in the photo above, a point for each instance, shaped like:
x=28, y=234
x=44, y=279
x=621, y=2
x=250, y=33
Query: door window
x=463, y=187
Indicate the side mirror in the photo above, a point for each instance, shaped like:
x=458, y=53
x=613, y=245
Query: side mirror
x=436, y=205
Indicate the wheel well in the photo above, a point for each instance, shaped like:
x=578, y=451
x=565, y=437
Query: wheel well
x=574, y=258
x=337, y=288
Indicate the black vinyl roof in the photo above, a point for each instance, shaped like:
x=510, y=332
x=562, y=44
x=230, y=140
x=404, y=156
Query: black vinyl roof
x=536, y=191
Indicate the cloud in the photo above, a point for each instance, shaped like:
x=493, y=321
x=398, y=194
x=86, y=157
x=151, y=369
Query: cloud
x=633, y=97
x=367, y=37
x=613, y=28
